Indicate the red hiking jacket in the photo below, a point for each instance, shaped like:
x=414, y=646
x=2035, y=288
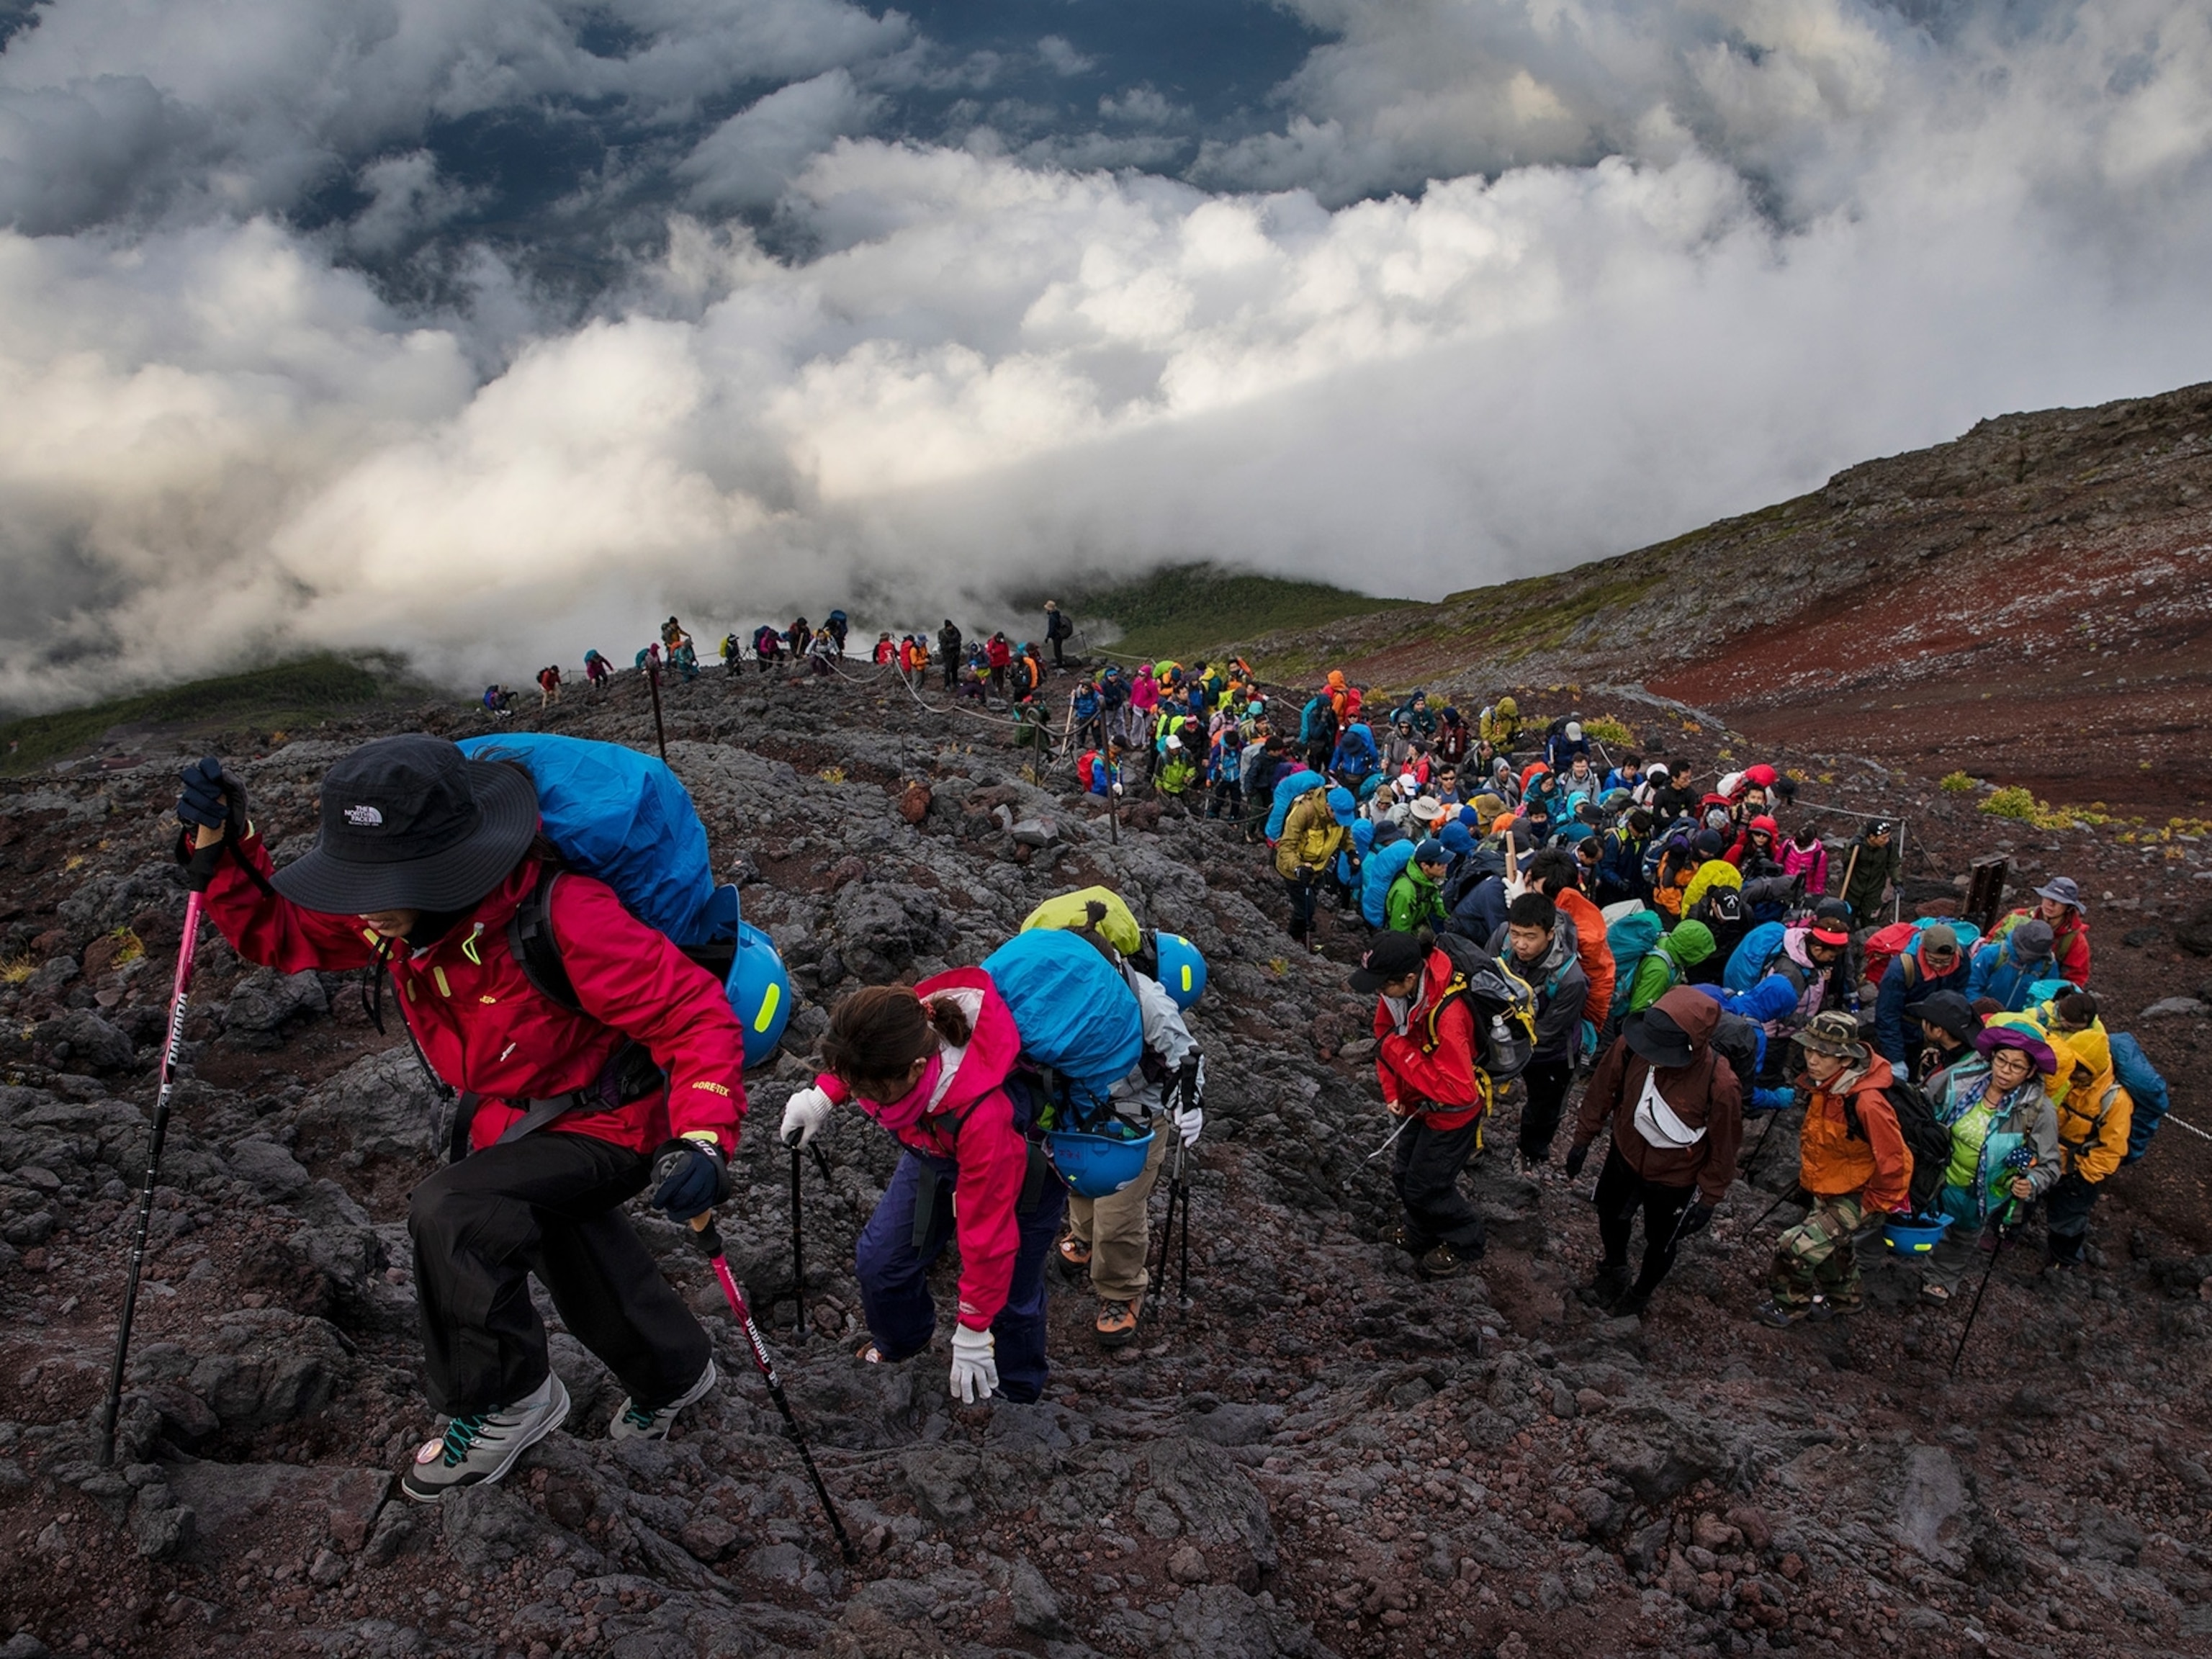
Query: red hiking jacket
x=998, y=653
x=973, y=1125
x=1425, y=1066
x=484, y=1028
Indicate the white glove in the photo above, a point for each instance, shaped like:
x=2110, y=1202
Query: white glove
x=1117, y=788
x=1189, y=1122
x=975, y=1371
x=803, y=1114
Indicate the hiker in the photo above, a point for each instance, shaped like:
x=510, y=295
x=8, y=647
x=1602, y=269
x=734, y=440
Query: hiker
x=1178, y=770
x=1873, y=863
x=2006, y=968
x=1667, y=964
x=1314, y=831
x=1852, y=1162
x=1086, y=712
x=2004, y=1146
x=734, y=655
x=1057, y=631
x=422, y=855
x=1263, y=765
x=768, y=645
x=1416, y=895
x=885, y=654
x=948, y=650
x=1675, y=1108
x=1501, y=725
x=1224, y=765
x=2095, y=1114
x=929, y=1064
x=499, y=701
x=1558, y=875
x=1806, y=854
x=549, y=685
x=1109, y=1240
x=1143, y=706
x=1947, y=1025
x=1933, y=963
x=998, y=658
x=597, y=671
x=1538, y=944
x=838, y=628
x=1429, y=1050
x=819, y=651
x=1620, y=875
x=1757, y=851
x=1628, y=774
x=1452, y=737
x=2058, y=907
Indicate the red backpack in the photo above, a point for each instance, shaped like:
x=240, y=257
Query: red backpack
x=1886, y=944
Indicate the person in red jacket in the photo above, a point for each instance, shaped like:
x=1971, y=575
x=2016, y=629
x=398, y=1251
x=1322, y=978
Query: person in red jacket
x=1425, y=1059
x=423, y=859
x=929, y=1064
x=998, y=657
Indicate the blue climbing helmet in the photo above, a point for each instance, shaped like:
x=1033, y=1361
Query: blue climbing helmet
x=1098, y=1164
x=1180, y=969
x=760, y=993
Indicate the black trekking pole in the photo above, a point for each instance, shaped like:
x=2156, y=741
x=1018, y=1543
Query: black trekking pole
x=708, y=1238
x=1987, y=1272
x=187, y=948
x=797, y=1255
x=652, y=679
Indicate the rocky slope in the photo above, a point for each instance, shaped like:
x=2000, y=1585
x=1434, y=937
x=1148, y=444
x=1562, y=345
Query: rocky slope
x=1319, y=1456
x=2033, y=600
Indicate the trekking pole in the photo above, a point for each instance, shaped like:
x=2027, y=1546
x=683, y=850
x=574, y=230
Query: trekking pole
x=1957, y=1352
x=1785, y=1198
x=1181, y=1188
x=708, y=1238
x=652, y=679
x=202, y=867
x=798, y=1254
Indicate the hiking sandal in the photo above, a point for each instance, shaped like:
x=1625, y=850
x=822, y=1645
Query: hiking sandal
x=868, y=1354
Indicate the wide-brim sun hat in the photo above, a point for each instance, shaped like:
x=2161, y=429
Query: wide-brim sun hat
x=1655, y=1037
x=411, y=823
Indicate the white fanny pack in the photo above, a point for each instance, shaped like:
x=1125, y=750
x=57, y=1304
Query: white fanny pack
x=1656, y=1121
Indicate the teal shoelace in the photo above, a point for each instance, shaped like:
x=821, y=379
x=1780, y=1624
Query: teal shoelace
x=638, y=1417
x=460, y=1436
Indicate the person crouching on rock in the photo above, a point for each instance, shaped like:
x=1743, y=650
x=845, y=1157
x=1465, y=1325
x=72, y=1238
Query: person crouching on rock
x=929, y=1064
x=1676, y=1109
x=424, y=860
x=1425, y=1058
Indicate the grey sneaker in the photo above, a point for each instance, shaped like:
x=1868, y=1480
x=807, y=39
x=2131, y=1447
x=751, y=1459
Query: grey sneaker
x=634, y=1422
x=480, y=1449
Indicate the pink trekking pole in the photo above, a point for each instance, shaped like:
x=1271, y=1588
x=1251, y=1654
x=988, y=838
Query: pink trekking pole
x=186, y=949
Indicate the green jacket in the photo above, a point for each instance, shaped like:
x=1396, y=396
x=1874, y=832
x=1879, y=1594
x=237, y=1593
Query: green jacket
x=1176, y=774
x=1414, y=901
x=1655, y=975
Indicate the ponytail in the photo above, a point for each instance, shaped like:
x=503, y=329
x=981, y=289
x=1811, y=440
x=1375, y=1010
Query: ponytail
x=878, y=1033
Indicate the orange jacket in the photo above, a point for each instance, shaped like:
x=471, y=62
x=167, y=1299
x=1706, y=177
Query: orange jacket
x=1595, y=955
x=1832, y=1161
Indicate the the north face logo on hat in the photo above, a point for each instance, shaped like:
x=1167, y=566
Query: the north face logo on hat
x=364, y=817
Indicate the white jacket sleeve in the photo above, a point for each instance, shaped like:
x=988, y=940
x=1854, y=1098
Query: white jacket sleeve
x=1166, y=1036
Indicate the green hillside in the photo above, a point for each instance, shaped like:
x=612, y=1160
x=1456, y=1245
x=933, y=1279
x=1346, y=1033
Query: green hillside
x=285, y=694
x=1184, y=611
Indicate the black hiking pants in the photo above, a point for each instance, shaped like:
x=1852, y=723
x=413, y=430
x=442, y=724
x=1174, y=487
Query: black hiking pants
x=1425, y=1175
x=1303, y=888
x=1620, y=1193
x=548, y=1204
x=2066, y=1217
x=1547, y=1082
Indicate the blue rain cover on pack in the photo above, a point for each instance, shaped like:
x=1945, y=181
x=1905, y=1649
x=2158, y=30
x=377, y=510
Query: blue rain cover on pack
x=1748, y=965
x=623, y=817
x=1074, y=1011
x=1376, y=876
x=2132, y=1070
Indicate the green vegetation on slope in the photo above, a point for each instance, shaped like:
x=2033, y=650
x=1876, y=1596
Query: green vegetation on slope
x=1184, y=609
x=292, y=693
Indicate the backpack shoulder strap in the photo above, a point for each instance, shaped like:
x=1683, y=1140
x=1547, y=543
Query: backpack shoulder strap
x=529, y=940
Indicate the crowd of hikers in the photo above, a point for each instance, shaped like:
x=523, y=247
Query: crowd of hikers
x=1625, y=959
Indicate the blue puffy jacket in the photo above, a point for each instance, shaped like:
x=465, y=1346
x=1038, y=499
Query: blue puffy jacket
x=1356, y=755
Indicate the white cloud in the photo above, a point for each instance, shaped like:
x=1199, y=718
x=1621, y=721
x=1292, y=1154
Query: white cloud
x=1824, y=235
x=1061, y=56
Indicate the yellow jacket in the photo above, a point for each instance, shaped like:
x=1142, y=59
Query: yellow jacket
x=2092, y=1117
x=1311, y=835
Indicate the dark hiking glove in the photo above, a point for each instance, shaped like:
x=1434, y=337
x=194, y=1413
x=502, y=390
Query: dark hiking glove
x=212, y=798
x=689, y=1177
x=1577, y=1157
x=1695, y=1220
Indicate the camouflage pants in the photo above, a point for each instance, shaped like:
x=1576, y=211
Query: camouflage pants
x=1815, y=1257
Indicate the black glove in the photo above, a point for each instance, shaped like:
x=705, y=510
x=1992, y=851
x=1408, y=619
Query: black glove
x=1695, y=1220
x=689, y=1176
x=212, y=798
x=1577, y=1157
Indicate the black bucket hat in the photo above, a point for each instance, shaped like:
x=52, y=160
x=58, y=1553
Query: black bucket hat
x=1390, y=955
x=411, y=823
x=1654, y=1035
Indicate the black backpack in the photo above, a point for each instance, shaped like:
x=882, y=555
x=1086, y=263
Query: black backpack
x=1505, y=1007
x=1926, y=1138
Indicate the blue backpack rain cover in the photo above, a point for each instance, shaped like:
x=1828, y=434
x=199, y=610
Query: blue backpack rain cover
x=1631, y=940
x=1376, y=876
x=626, y=820
x=1074, y=1011
x=2145, y=1088
x=1748, y=964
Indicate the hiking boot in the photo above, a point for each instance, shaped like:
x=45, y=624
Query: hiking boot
x=1607, y=1286
x=1441, y=1262
x=634, y=1422
x=1117, y=1321
x=1535, y=1167
x=1074, y=1256
x=1823, y=1310
x=1631, y=1304
x=1400, y=1237
x=481, y=1448
x=1780, y=1315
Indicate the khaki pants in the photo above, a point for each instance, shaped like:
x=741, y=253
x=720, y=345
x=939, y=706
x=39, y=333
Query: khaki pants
x=1115, y=1228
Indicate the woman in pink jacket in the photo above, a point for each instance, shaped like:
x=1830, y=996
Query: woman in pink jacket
x=930, y=1063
